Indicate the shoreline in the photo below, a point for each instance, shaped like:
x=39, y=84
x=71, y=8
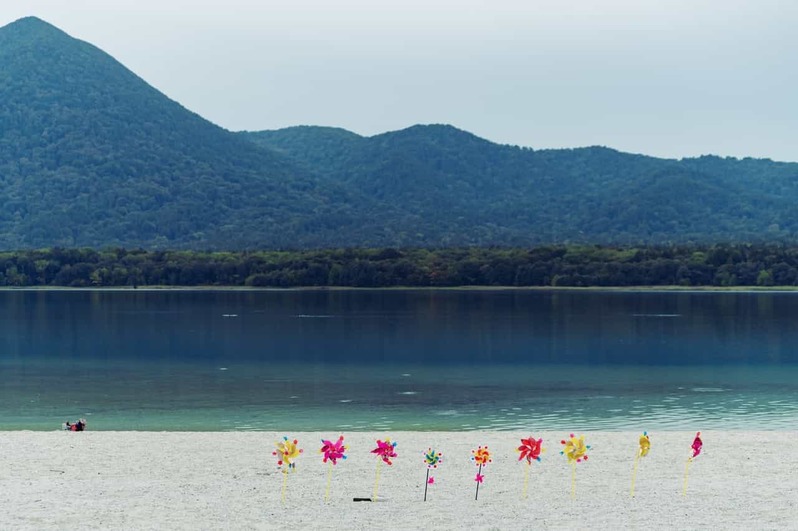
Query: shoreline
x=621, y=289
x=215, y=480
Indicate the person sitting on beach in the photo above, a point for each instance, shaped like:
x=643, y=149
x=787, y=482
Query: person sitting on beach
x=79, y=425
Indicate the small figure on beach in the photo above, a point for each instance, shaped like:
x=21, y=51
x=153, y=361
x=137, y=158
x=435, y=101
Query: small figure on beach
x=78, y=425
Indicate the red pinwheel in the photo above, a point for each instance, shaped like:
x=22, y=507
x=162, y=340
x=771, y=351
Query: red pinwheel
x=530, y=449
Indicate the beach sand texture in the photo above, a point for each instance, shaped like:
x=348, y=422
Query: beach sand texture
x=215, y=480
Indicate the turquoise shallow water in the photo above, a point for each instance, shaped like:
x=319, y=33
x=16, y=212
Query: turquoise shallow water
x=398, y=360
x=319, y=397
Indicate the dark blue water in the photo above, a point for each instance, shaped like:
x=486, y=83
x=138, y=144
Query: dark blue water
x=398, y=359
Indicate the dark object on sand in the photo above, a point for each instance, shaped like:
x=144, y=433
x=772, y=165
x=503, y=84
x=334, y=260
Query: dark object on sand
x=78, y=425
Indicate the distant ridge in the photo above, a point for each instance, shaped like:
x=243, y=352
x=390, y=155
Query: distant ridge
x=91, y=155
x=518, y=196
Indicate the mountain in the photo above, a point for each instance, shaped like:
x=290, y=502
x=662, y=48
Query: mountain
x=456, y=188
x=91, y=155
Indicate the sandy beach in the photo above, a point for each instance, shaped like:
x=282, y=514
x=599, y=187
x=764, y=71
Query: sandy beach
x=173, y=480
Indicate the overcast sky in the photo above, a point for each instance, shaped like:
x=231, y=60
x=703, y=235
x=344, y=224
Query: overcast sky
x=670, y=78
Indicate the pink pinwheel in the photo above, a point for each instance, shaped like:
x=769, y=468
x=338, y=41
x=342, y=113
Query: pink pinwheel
x=479, y=478
x=697, y=445
x=530, y=449
x=333, y=451
x=385, y=450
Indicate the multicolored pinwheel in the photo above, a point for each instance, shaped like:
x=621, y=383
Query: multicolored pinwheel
x=432, y=459
x=287, y=451
x=480, y=457
x=575, y=450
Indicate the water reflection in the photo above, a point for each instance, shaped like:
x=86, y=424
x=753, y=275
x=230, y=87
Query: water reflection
x=398, y=359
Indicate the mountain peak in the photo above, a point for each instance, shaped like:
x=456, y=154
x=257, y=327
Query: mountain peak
x=29, y=25
x=32, y=33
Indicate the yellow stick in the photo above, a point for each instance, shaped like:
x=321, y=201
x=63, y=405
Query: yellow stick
x=686, y=472
x=573, y=479
x=329, y=479
x=285, y=482
x=376, y=481
x=526, y=479
x=634, y=474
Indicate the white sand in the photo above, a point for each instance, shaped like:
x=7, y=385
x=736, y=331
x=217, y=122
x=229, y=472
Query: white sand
x=131, y=480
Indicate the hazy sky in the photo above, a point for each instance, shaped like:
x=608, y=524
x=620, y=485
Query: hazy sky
x=669, y=78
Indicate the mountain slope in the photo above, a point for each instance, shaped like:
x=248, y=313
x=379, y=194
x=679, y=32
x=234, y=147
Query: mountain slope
x=92, y=155
x=451, y=179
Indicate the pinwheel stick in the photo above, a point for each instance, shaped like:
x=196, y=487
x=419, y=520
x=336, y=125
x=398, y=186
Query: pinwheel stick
x=376, y=481
x=634, y=474
x=329, y=480
x=686, y=474
x=573, y=479
x=426, y=484
x=526, y=479
x=285, y=483
x=478, y=474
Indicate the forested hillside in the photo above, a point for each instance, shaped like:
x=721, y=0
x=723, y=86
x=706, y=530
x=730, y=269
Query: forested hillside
x=92, y=156
x=512, y=195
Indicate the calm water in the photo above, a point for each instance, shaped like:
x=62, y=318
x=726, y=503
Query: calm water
x=390, y=360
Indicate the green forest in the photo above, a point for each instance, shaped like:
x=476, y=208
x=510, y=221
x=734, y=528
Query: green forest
x=93, y=156
x=544, y=266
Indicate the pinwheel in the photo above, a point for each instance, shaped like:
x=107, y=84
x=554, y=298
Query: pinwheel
x=432, y=459
x=287, y=452
x=385, y=450
x=697, y=445
x=480, y=457
x=575, y=450
x=530, y=450
x=644, y=445
x=332, y=452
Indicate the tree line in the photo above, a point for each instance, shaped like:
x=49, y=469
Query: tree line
x=557, y=265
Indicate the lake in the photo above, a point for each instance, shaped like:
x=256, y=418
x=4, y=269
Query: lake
x=398, y=359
